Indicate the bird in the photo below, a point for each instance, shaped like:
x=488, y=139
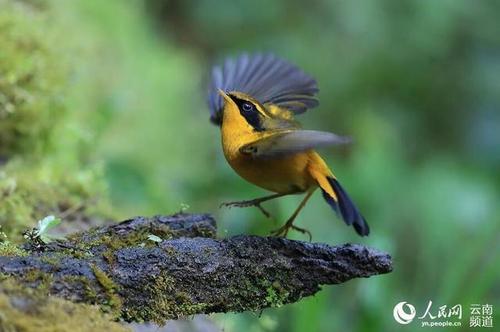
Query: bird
x=254, y=99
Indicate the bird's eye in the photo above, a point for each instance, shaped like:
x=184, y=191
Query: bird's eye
x=247, y=107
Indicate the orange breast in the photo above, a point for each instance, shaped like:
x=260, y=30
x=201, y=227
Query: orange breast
x=280, y=175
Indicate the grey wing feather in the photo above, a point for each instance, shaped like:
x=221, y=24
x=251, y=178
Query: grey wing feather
x=292, y=142
x=264, y=77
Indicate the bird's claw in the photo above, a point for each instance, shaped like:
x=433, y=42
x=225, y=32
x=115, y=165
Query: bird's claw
x=283, y=231
x=246, y=204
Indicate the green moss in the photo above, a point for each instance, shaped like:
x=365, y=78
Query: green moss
x=108, y=299
x=114, y=301
x=89, y=290
x=52, y=260
x=48, y=314
x=103, y=279
x=109, y=256
x=41, y=280
x=167, y=302
x=276, y=295
x=114, y=242
x=163, y=231
x=262, y=292
x=77, y=253
x=9, y=249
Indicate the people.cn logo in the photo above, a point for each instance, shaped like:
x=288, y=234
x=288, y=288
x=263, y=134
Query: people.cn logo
x=401, y=315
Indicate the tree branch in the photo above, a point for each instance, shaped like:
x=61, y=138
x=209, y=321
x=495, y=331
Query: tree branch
x=189, y=272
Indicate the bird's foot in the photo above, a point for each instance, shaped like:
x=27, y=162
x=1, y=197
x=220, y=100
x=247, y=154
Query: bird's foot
x=252, y=202
x=283, y=231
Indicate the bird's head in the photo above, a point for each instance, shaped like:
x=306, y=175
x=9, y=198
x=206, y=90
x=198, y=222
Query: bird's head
x=242, y=110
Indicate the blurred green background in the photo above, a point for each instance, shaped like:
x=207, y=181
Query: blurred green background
x=103, y=114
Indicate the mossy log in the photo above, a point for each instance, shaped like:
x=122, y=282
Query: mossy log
x=190, y=271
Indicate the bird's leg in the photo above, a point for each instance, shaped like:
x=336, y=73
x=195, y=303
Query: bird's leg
x=283, y=230
x=254, y=202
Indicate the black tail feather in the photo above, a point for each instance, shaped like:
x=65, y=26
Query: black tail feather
x=348, y=210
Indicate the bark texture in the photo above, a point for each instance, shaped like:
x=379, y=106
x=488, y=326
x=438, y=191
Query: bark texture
x=190, y=271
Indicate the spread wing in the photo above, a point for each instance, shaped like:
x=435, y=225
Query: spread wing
x=268, y=79
x=291, y=142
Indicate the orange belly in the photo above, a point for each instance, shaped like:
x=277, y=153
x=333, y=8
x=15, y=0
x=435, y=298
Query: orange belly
x=281, y=175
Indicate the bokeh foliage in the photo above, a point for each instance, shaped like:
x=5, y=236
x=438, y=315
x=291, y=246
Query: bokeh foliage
x=44, y=164
x=415, y=83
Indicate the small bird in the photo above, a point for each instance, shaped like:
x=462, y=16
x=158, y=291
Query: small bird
x=253, y=99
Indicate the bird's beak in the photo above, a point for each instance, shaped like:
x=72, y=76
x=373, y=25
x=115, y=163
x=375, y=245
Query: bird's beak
x=224, y=95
